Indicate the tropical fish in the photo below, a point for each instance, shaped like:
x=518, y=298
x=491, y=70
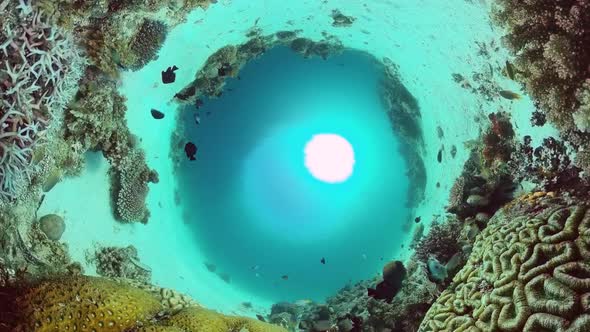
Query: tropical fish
x=190, y=149
x=197, y=118
x=157, y=114
x=260, y=318
x=302, y=303
x=323, y=260
x=510, y=70
x=439, y=156
x=169, y=76
x=417, y=220
x=509, y=94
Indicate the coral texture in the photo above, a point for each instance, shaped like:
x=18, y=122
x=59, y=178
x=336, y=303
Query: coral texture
x=204, y=320
x=147, y=41
x=121, y=263
x=528, y=271
x=550, y=40
x=130, y=187
x=39, y=69
x=80, y=304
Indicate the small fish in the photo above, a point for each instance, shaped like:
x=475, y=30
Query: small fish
x=509, y=95
x=191, y=150
x=208, y=113
x=260, y=318
x=510, y=70
x=247, y=305
x=285, y=277
x=323, y=260
x=197, y=119
x=169, y=76
x=157, y=114
x=198, y=103
x=257, y=275
x=417, y=220
x=303, y=303
x=439, y=156
x=364, y=256
x=256, y=22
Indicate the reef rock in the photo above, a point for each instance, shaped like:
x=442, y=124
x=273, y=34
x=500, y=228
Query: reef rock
x=53, y=226
x=117, y=262
x=529, y=271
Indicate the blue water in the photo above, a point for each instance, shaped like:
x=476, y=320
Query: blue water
x=258, y=214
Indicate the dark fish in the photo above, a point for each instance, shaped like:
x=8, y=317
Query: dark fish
x=417, y=220
x=439, y=156
x=198, y=103
x=438, y=184
x=285, y=277
x=181, y=96
x=510, y=70
x=169, y=76
x=157, y=114
x=191, y=150
x=208, y=113
x=210, y=267
x=323, y=260
x=509, y=94
x=247, y=305
x=197, y=119
x=224, y=70
x=260, y=318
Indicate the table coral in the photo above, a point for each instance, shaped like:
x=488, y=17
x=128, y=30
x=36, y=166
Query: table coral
x=528, y=271
x=39, y=69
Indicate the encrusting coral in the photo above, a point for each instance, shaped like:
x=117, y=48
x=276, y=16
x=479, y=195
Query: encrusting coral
x=85, y=303
x=528, y=271
x=39, y=69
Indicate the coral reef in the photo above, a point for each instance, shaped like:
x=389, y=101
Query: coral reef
x=115, y=262
x=147, y=41
x=78, y=303
x=441, y=242
x=549, y=40
x=39, y=69
x=404, y=313
x=204, y=320
x=129, y=187
x=103, y=305
x=528, y=272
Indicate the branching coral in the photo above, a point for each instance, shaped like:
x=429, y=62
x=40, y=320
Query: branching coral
x=39, y=69
x=550, y=41
x=528, y=272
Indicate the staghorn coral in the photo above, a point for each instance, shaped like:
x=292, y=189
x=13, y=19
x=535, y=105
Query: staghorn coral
x=39, y=69
x=528, y=271
x=78, y=303
x=549, y=40
x=129, y=187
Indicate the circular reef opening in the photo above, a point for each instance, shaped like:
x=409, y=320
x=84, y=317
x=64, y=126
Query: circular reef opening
x=307, y=165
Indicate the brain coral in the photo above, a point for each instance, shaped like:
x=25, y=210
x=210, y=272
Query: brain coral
x=529, y=271
x=83, y=304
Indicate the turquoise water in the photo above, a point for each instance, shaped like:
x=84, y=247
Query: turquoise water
x=257, y=212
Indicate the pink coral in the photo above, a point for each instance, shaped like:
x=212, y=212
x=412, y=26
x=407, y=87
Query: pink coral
x=39, y=69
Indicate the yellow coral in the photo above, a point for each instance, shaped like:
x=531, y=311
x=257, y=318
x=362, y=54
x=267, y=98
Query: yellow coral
x=529, y=271
x=83, y=304
x=202, y=320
